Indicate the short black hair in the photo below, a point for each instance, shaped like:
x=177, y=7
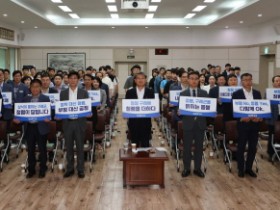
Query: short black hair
x=103, y=67
x=36, y=81
x=273, y=78
x=237, y=68
x=181, y=73
x=50, y=69
x=221, y=75
x=89, y=68
x=98, y=80
x=135, y=67
x=228, y=64
x=193, y=73
x=17, y=72
x=246, y=75
x=88, y=75
x=38, y=74
x=230, y=76
x=58, y=75
x=7, y=70
x=140, y=73
x=45, y=74
x=25, y=78
x=71, y=73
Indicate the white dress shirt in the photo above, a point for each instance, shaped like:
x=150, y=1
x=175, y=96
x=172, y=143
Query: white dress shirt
x=248, y=95
x=140, y=93
x=73, y=95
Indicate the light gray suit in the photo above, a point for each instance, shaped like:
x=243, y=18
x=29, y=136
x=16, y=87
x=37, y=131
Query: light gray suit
x=193, y=128
x=74, y=130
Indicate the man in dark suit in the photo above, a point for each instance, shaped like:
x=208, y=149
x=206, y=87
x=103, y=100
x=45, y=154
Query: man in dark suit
x=193, y=128
x=214, y=92
x=248, y=128
x=20, y=90
x=274, y=117
x=74, y=129
x=36, y=132
x=140, y=128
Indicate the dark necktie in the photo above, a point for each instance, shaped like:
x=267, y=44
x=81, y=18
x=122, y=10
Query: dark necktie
x=193, y=93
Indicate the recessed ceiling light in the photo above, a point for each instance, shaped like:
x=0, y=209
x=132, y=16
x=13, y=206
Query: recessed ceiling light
x=113, y=27
x=146, y=27
x=241, y=21
x=199, y=8
x=56, y=1
x=152, y=8
x=110, y=1
x=187, y=27
x=112, y=8
x=209, y=1
x=260, y=15
x=190, y=15
x=156, y=1
x=5, y=15
x=226, y=27
x=115, y=16
x=76, y=27
x=149, y=16
x=74, y=16
x=65, y=8
x=22, y=21
x=36, y=27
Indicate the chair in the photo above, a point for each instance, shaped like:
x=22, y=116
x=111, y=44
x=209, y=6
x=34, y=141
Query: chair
x=276, y=141
x=263, y=135
x=15, y=141
x=218, y=133
x=99, y=136
x=230, y=143
x=3, y=147
x=179, y=147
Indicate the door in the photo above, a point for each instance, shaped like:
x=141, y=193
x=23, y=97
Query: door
x=271, y=65
x=123, y=71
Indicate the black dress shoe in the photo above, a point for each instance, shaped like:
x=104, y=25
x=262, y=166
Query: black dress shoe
x=199, y=173
x=81, y=174
x=42, y=174
x=251, y=173
x=185, y=173
x=68, y=174
x=30, y=175
x=241, y=174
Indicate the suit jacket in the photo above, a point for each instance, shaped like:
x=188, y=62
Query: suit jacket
x=132, y=94
x=214, y=93
x=64, y=96
x=106, y=88
x=189, y=121
x=239, y=94
x=7, y=114
x=44, y=128
x=52, y=90
x=21, y=93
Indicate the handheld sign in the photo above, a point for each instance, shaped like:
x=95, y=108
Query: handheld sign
x=156, y=96
x=7, y=100
x=198, y=106
x=273, y=94
x=95, y=97
x=73, y=109
x=32, y=112
x=140, y=108
x=225, y=93
x=174, y=97
x=54, y=97
x=251, y=108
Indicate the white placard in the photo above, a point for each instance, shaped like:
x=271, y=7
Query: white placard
x=32, y=112
x=273, y=94
x=73, y=109
x=225, y=93
x=174, y=97
x=54, y=97
x=251, y=108
x=140, y=108
x=95, y=97
x=198, y=106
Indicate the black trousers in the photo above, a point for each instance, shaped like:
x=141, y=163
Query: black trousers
x=250, y=136
x=33, y=137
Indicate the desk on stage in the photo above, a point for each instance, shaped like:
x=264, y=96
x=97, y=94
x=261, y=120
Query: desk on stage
x=143, y=169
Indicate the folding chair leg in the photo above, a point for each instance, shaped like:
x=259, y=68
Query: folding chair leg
x=205, y=162
x=5, y=154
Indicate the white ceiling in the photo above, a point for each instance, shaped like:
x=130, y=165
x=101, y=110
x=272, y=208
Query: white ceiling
x=92, y=13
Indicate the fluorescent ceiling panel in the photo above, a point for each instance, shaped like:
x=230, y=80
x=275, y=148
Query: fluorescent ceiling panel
x=209, y=1
x=152, y=8
x=190, y=15
x=112, y=8
x=149, y=16
x=114, y=16
x=56, y=1
x=110, y=1
x=199, y=8
x=74, y=16
x=65, y=8
x=156, y=1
